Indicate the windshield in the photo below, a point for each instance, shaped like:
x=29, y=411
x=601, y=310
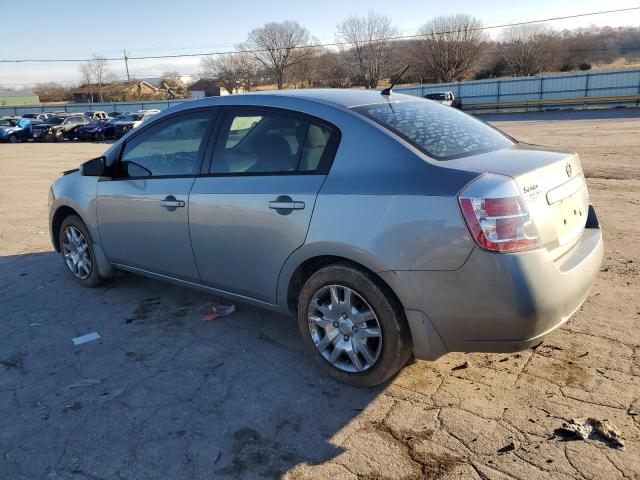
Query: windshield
x=436, y=96
x=54, y=120
x=130, y=118
x=441, y=132
x=30, y=115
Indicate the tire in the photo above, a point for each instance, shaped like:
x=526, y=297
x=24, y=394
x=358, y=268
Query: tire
x=99, y=137
x=392, y=349
x=58, y=136
x=87, y=277
x=13, y=139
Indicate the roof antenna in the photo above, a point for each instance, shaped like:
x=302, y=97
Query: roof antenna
x=387, y=91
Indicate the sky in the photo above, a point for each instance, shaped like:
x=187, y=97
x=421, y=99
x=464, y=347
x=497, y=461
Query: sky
x=77, y=29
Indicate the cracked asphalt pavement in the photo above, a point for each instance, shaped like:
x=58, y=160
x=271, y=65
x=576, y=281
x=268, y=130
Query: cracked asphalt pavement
x=163, y=394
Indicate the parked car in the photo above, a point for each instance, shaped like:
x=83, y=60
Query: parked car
x=116, y=114
x=96, y=115
x=98, y=130
x=37, y=116
x=15, y=130
x=125, y=123
x=58, y=128
x=445, y=98
x=388, y=225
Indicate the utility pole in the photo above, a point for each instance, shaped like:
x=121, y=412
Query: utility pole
x=126, y=64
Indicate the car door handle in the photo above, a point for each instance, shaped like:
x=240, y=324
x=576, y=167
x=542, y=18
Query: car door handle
x=286, y=205
x=171, y=202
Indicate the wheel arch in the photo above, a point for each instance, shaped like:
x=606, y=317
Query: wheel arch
x=62, y=212
x=297, y=275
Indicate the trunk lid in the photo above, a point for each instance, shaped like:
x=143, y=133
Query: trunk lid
x=552, y=184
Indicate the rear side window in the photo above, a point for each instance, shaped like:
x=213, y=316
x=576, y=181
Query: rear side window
x=439, y=131
x=266, y=142
x=171, y=147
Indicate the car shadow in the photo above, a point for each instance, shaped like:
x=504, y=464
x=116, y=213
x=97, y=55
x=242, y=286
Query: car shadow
x=162, y=393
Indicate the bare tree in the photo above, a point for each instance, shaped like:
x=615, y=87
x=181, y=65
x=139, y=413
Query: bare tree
x=450, y=47
x=278, y=46
x=368, y=40
x=530, y=49
x=332, y=70
x=86, y=74
x=100, y=71
x=172, y=79
x=172, y=85
x=50, y=92
x=302, y=74
x=234, y=72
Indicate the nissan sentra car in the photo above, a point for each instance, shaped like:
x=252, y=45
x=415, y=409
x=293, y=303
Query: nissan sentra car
x=389, y=225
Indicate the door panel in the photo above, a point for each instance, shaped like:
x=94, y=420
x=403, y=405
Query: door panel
x=143, y=225
x=240, y=241
x=143, y=212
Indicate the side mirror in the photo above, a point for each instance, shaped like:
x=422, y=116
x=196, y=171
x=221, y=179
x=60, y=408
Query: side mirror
x=94, y=168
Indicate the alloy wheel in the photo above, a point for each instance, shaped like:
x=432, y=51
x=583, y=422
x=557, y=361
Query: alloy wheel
x=75, y=250
x=344, y=328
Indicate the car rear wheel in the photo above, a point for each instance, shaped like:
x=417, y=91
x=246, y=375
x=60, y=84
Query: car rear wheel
x=77, y=252
x=13, y=139
x=352, y=326
x=59, y=136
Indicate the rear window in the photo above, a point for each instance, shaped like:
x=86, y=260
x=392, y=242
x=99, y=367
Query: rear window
x=441, y=132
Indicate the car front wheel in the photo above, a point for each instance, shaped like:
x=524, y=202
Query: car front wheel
x=77, y=252
x=353, y=326
x=99, y=137
x=13, y=139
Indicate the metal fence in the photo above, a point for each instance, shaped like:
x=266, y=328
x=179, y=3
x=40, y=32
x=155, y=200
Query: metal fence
x=598, y=87
x=88, y=107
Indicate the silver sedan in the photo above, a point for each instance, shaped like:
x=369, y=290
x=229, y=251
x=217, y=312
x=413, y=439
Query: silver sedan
x=389, y=225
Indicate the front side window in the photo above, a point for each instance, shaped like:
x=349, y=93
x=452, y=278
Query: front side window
x=270, y=142
x=441, y=132
x=171, y=147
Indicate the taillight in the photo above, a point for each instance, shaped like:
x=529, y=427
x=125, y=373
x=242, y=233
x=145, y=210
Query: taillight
x=497, y=216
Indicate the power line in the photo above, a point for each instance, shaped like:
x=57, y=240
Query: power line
x=319, y=45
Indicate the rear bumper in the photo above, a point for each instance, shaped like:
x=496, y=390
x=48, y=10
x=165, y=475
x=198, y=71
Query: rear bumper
x=498, y=302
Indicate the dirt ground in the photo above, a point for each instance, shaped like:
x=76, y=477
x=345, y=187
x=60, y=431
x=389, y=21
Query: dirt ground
x=165, y=395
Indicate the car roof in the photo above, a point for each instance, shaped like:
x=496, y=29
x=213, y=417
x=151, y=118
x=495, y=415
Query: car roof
x=345, y=98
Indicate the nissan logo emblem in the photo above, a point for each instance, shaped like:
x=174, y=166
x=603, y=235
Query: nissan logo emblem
x=569, y=169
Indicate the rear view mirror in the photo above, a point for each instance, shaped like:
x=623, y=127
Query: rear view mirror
x=94, y=168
